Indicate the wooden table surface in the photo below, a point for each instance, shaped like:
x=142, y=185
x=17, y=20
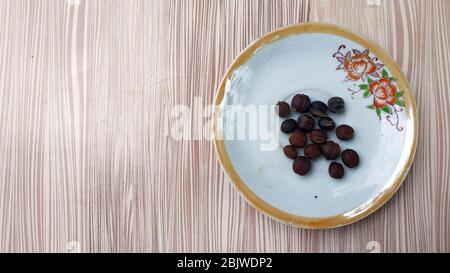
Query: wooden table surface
x=86, y=161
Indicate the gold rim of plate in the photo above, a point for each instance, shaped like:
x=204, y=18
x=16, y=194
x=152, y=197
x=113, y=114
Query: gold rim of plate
x=357, y=213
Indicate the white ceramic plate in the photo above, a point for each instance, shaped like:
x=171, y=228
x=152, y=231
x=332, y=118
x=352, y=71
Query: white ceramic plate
x=322, y=61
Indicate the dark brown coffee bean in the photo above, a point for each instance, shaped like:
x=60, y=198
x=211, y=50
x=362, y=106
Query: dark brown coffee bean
x=336, y=105
x=290, y=151
x=350, y=158
x=305, y=123
x=312, y=151
x=288, y=126
x=300, y=103
x=326, y=123
x=301, y=165
x=336, y=170
x=344, y=132
x=298, y=139
x=318, y=136
x=331, y=150
x=283, y=109
x=318, y=109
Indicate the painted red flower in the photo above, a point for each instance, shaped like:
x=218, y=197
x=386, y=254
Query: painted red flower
x=383, y=91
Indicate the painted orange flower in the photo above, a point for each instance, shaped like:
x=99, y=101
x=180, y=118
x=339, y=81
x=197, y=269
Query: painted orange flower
x=359, y=65
x=383, y=91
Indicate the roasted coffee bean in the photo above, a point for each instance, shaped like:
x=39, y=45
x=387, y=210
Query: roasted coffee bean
x=344, y=132
x=305, y=123
x=336, y=170
x=312, y=151
x=301, y=165
x=298, y=139
x=326, y=123
x=290, y=151
x=350, y=158
x=318, y=109
x=318, y=136
x=283, y=109
x=288, y=126
x=336, y=105
x=331, y=150
x=300, y=103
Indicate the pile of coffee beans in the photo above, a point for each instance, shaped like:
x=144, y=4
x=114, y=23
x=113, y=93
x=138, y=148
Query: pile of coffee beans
x=304, y=134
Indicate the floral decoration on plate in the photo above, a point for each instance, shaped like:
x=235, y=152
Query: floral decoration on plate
x=373, y=81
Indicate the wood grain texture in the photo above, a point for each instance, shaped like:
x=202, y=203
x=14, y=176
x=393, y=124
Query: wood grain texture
x=86, y=163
